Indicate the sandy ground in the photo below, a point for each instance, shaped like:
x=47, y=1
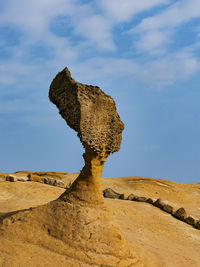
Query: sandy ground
x=157, y=237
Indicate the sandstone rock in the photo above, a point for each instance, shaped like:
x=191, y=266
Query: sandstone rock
x=197, y=225
x=150, y=201
x=3, y=176
x=168, y=208
x=22, y=178
x=160, y=202
x=11, y=178
x=109, y=193
x=59, y=183
x=8, y=178
x=36, y=178
x=49, y=181
x=180, y=214
x=123, y=196
x=131, y=197
x=190, y=220
x=140, y=199
x=78, y=224
x=89, y=111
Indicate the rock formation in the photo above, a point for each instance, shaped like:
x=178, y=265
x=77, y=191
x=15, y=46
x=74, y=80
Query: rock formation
x=91, y=113
x=77, y=224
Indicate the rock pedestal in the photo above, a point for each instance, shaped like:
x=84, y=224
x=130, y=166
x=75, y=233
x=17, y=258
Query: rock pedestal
x=78, y=224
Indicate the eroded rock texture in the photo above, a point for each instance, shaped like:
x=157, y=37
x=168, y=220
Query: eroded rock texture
x=78, y=225
x=89, y=111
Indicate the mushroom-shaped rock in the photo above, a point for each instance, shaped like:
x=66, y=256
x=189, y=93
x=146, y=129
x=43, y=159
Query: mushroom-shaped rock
x=78, y=225
x=89, y=111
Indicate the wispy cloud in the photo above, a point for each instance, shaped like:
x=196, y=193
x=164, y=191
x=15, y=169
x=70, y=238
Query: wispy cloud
x=121, y=11
x=157, y=31
x=91, y=31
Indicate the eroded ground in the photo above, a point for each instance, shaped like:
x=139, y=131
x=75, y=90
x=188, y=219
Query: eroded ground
x=157, y=237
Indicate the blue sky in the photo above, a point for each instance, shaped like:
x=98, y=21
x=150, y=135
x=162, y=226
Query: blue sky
x=145, y=54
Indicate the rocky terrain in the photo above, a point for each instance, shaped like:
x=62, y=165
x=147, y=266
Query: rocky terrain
x=158, y=238
x=62, y=219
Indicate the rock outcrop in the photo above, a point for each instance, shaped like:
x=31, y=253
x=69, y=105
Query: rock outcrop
x=78, y=224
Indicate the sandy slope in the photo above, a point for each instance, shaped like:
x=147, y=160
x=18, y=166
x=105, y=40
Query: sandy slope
x=157, y=237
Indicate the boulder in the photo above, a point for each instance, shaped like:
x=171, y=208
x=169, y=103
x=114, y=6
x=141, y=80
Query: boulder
x=35, y=178
x=49, y=180
x=11, y=178
x=160, y=202
x=168, y=208
x=131, y=197
x=190, y=220
x=59, y=183
x=22, y=178
x=180, y=214
x=140, y=199
x=150, y=201
x=3, y=176
x=197, y=225
x=110, y=193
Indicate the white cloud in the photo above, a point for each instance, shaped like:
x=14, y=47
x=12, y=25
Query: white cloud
x=97, y=30
x=157, y=31
x=165, y=72
x=155, y=74
x=179, y=12
x=121, y=10
x=34, y=16
x=153, y=42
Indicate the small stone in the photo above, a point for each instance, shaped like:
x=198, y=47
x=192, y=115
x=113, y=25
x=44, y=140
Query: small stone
x=122, y=196
x=197, y=225
x=109, y=193
x=140, y=199
x=22, y=179
x=35, y=178
x=49, y=181
x=168, y=208
x=11, y=178
x=8, y=178
x=130, y=197
x=160, y=202
x=180, y=214
x=190, y=220
x=3, y=177
x=59, y=183
x=150, y=201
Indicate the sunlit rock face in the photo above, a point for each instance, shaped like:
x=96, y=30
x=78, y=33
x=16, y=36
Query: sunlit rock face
x=89, y=111
x=77, y=225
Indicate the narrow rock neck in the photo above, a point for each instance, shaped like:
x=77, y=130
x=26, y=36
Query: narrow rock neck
x=87, y=186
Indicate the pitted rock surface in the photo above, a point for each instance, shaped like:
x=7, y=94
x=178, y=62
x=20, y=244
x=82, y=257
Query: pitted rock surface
x=78, y=224
x=89, y=111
